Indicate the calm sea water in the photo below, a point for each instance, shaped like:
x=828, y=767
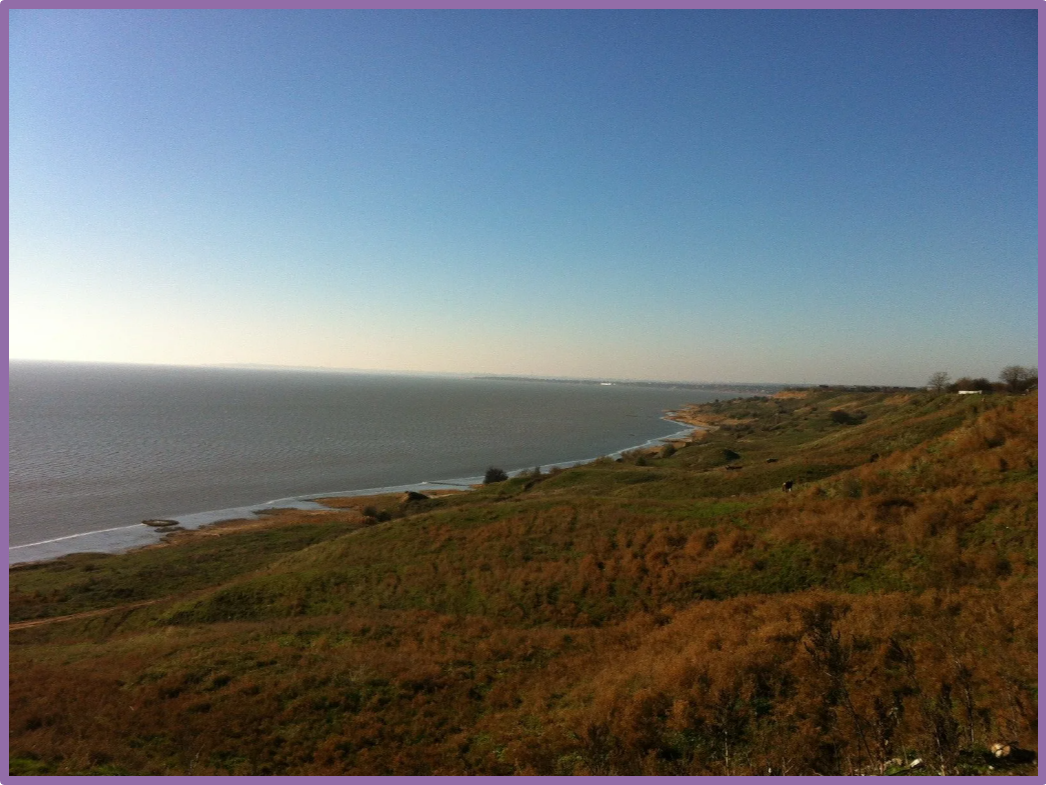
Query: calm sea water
x=101, y=447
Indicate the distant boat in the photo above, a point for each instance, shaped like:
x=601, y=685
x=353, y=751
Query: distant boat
x=606, y=384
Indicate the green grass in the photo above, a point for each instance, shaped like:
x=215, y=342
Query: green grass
x=85, y=582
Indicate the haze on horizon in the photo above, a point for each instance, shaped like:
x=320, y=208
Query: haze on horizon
x=749, y=196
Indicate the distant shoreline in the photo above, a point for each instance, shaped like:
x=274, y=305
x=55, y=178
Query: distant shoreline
x=741, y=387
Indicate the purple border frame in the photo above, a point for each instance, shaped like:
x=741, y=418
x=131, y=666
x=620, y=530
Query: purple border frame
x=529, y=4
x=6, y=5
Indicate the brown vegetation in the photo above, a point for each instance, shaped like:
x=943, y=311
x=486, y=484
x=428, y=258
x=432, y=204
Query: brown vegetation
x=618, y=618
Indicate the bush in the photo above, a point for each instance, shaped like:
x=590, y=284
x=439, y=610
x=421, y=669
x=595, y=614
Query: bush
x=636, y=456
x=494, y=475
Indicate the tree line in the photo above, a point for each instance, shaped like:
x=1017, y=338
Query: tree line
x=1012, y=379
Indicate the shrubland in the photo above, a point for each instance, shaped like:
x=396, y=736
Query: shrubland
x=674, y=612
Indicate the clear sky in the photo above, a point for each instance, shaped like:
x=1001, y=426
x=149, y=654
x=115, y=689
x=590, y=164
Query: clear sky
x=822, y=196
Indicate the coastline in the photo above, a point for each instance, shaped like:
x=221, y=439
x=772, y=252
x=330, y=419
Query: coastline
x=121, y=539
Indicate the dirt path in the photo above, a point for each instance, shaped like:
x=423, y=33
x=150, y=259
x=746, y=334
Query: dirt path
x=21, y=625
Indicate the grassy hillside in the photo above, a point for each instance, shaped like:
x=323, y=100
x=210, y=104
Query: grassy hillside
x=671, y=613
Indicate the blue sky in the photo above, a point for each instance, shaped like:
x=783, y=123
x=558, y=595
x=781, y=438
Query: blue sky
x=824, y=196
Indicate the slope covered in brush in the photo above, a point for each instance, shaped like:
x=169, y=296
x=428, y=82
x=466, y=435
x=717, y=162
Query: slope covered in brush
x=658, y=615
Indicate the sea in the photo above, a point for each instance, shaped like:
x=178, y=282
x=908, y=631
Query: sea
x=95, y=449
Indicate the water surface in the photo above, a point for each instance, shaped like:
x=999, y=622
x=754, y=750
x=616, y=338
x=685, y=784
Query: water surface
x=100, y=447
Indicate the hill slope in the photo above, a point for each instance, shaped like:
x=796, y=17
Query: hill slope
x=661, y=615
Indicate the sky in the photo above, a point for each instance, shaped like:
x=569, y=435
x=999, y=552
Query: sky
x=753, y=196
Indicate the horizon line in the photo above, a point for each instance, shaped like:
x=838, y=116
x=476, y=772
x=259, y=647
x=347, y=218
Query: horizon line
x=456, y=374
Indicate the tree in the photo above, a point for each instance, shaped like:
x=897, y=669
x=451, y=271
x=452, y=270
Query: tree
x=938, y=381
x=966, y=383
x=494, y=475
x=1017, y=378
